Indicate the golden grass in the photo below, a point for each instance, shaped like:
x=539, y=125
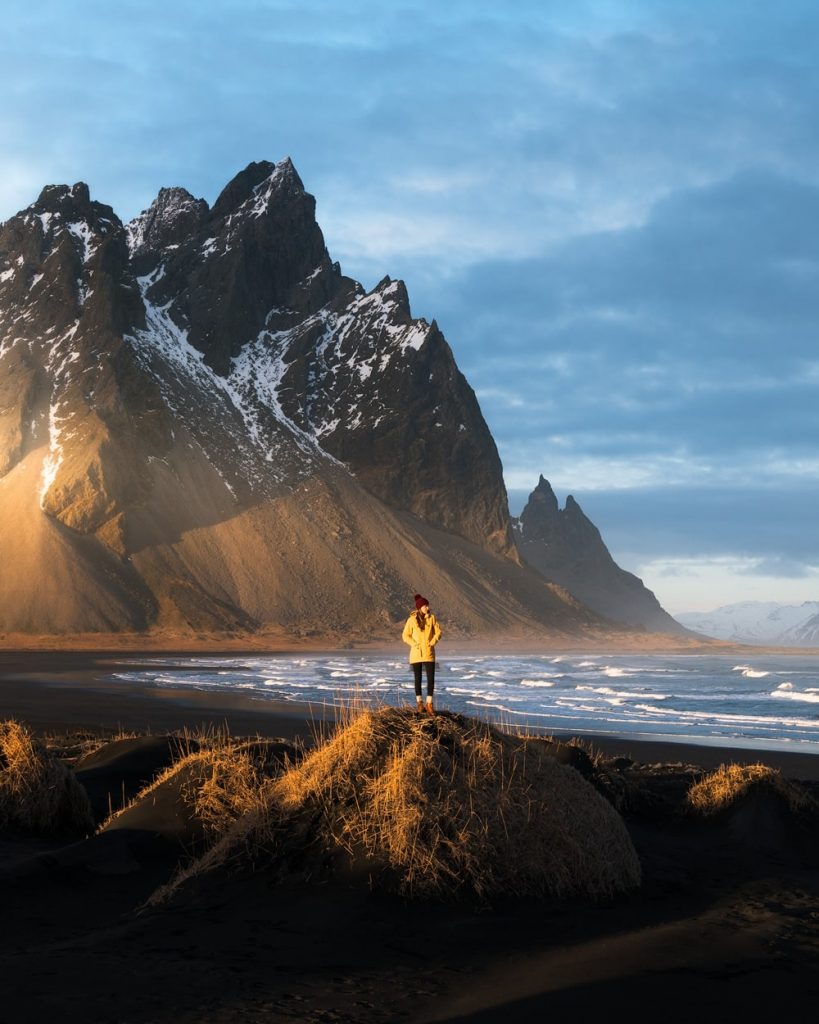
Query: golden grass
x=723, y=787
x=219, y=779
x=37, y=792
x=436, y=808
x=72, y=747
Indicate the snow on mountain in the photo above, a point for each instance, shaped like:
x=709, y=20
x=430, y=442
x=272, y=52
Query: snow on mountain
x=759, y=622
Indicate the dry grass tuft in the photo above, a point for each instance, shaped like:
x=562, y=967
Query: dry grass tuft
x=729, y=783
x=436, y=807
x=219, y=779
x=37, y=792
x=230, y=780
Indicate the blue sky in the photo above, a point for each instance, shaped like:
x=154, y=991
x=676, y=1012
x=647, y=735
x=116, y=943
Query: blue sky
x=611, y=208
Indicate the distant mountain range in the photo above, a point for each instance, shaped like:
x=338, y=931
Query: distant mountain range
x=206, y=426
x=759, y=622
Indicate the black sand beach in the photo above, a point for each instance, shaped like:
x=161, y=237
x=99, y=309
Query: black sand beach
x=725, y=921
x=54, y=691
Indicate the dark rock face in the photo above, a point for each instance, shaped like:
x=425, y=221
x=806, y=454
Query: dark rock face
x=566, y=547
x=171, y=219
x=382, y=393
x=252, y=286
x=66, y=299
x=228, y=269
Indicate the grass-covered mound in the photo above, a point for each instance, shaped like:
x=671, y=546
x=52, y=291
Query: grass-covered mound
x=37, y=792
x=436, y=807
x=205, y=790
x=724, y=788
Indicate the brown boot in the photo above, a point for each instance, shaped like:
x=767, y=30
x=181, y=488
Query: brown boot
x=419, y=705
x=430, y=709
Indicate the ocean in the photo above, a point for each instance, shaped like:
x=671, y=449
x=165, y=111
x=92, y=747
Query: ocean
x=764, y=701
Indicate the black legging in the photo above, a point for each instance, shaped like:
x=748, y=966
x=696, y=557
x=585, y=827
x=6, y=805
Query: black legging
x=430, y=667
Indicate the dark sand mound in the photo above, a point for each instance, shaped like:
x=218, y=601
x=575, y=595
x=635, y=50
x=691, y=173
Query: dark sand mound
x=436, y=807
x=196, y=796
x=114, y=773
x=730, y=786
x=127, y=852
x=38, y=793
x=567, y=753
x=202, y=793
x=759, y=812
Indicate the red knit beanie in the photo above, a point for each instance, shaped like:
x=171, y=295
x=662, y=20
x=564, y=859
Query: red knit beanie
x=420, y=602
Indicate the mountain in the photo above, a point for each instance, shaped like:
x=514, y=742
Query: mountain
x=759, y=622
x=206, y=426
x=566, y=547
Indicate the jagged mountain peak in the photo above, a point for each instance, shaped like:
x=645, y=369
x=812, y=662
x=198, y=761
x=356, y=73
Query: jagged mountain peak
x=58, y=205
x=542, y=505
x=171, y=218
x=48, y=252
x=53, y=197
x=256, y=259
x=579, y=523
x=566, y=546
x=542, y=519
x=252, y=189
x=542, y=516
x=394, y=291
x=63, y=226
x=176, y=216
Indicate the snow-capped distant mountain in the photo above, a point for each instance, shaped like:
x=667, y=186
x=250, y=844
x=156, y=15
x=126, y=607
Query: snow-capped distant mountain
x=759, y=622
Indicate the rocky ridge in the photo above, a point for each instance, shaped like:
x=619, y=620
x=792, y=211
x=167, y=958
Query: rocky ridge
x=566, y=547
x=205, y=425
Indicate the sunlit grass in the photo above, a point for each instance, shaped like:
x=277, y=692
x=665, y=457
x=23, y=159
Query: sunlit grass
x=729, y=783
x=432, y=807
x=37, y=792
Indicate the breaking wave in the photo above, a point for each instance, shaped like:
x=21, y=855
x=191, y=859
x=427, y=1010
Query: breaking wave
x=750, y=673
x=699, y=698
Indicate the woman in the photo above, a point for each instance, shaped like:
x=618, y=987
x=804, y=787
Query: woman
x=422, y=633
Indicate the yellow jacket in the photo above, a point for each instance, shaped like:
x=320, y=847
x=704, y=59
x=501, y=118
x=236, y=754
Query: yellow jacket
x=421, y=641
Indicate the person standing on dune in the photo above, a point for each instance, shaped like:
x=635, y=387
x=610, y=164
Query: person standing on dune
x=422, y=633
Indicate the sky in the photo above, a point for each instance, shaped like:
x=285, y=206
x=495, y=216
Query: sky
x=611, y=208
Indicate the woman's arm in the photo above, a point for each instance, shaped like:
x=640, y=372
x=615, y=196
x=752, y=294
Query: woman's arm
x=436, y=633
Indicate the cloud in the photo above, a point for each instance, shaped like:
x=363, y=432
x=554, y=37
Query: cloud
x=779, y=568
x=705, y=584
x=553, y=122
x=609, y=208
x=676, y=353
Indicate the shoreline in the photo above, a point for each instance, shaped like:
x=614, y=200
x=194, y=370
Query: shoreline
x=147, y=644
x=33, y=693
